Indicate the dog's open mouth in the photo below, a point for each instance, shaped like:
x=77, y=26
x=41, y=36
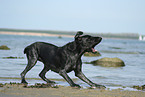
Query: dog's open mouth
x=93, y=50
x=92, y=47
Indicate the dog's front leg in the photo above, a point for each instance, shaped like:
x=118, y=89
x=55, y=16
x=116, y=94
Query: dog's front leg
x=80, y=75
x=63, y=73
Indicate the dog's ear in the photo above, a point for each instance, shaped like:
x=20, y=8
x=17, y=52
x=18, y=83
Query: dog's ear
x=72, y=46
x=79, y=33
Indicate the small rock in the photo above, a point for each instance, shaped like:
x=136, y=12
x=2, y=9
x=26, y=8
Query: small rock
x=139, y=87
x=4, y=47
x=1, y=85
x=60, y=36
x=90, y=54
x=109, y=62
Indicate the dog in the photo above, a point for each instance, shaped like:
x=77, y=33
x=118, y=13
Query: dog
x=62, y=60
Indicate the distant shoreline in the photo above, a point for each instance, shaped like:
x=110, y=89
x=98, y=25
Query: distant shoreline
x=34, y=34
x=67, y=33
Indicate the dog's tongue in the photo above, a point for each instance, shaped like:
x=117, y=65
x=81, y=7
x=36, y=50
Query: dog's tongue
x=94, y=50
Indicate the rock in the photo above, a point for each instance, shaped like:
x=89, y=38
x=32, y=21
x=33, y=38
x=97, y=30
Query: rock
x=60, y=36
x=90, y=54
x=139, y=87
x=109, y=62
x=1, y=85
x=4, y=47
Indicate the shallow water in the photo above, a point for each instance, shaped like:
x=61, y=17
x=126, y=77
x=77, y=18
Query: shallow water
x=132, y=52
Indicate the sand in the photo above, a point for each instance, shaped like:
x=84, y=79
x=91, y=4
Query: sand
x=34, y=34
x=16, y=90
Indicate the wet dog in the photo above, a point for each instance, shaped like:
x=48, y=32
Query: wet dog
x=62, y=60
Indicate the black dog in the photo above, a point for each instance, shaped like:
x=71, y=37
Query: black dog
x=62, y=59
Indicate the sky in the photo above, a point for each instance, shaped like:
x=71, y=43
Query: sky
x=116, y=16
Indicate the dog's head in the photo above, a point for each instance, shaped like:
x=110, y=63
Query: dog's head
x=87, y=42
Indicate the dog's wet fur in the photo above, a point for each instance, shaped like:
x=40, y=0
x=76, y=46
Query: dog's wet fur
x=62, y=60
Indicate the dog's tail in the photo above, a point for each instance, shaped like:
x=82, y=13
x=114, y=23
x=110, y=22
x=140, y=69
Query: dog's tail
x=29, y=48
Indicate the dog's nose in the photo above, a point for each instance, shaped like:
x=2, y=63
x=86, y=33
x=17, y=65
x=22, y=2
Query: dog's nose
x=100, y=38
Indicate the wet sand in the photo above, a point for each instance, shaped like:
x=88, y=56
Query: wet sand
x=16, y=90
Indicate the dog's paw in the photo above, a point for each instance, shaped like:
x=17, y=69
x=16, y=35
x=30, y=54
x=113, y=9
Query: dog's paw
x=76, y=86
x=94, y=86
x=52, y=82
x=24, y=82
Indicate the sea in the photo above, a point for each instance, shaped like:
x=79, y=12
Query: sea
x=132, y=52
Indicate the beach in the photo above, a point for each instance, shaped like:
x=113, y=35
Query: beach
x=119, y=81
x=61, y=91
x=34, y=34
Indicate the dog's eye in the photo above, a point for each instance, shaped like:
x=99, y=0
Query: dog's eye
x=89, y=40
x=79, y=38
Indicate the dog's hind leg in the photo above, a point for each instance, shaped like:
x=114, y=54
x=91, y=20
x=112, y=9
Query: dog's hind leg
x=31, y=63
x=42, y=75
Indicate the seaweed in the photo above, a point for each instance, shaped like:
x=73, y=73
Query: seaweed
x=39, y=85
x=11, y=57
x=139, y=87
